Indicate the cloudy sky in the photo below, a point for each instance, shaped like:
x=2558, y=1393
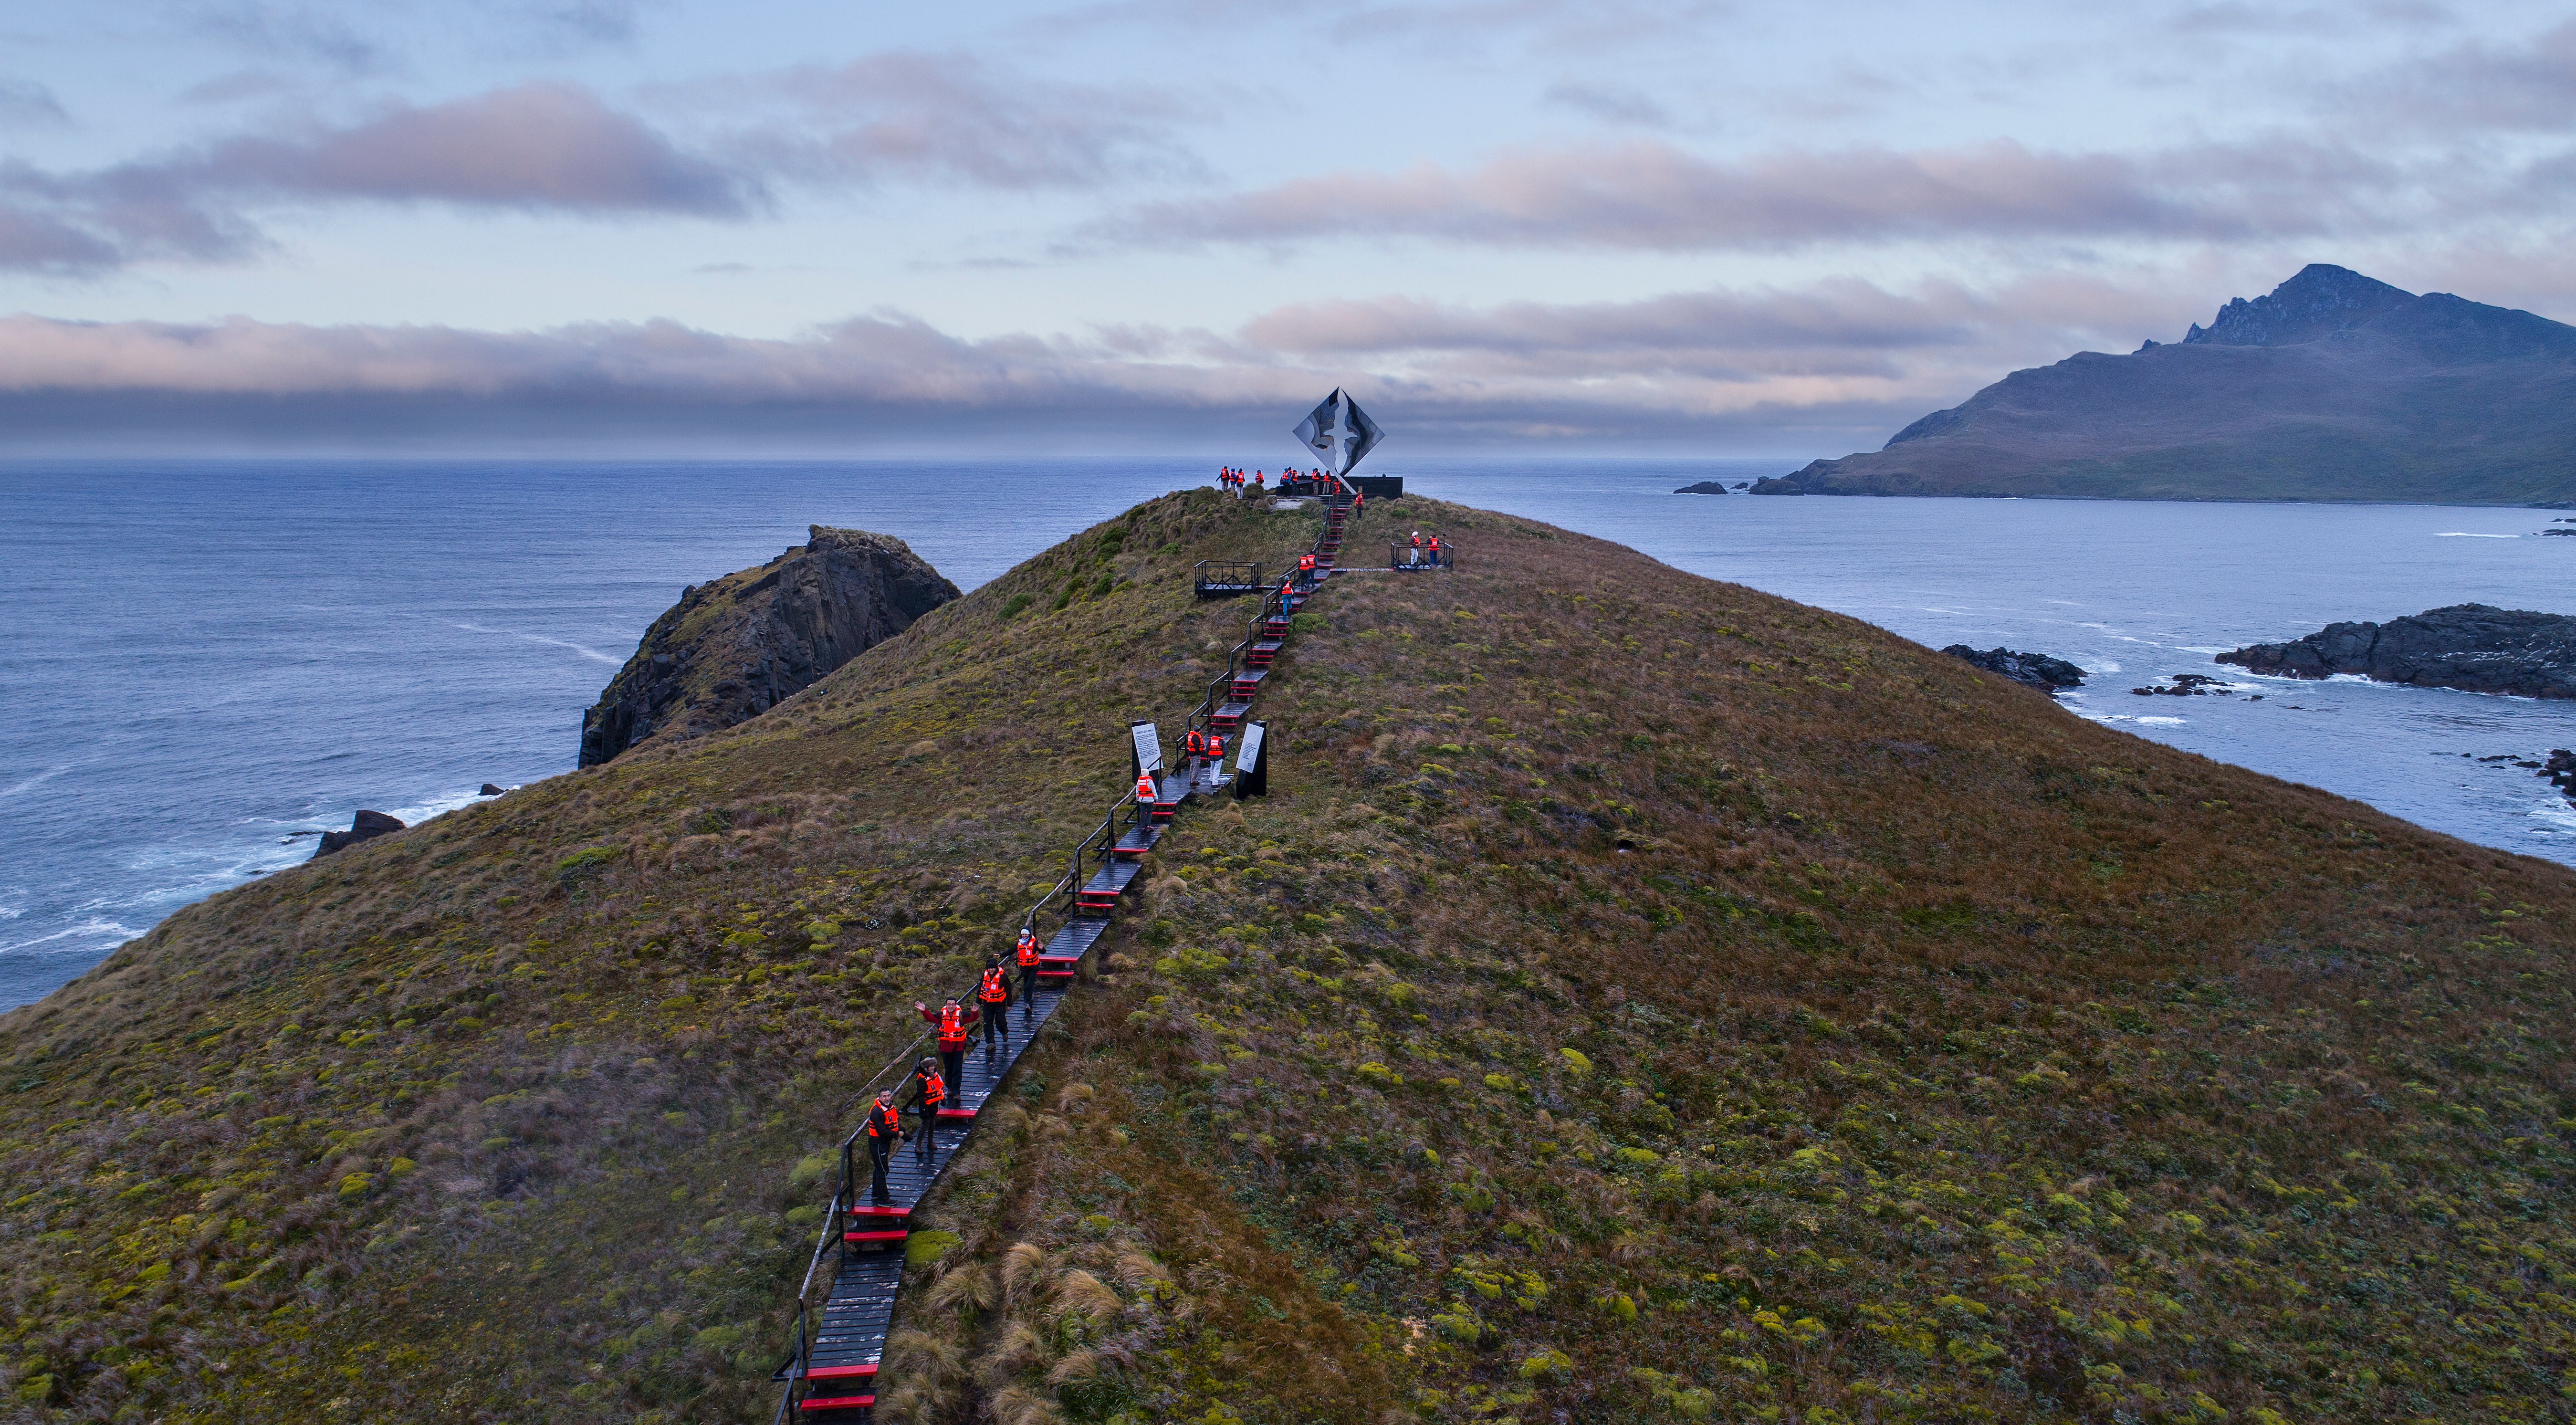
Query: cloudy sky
x=1153, y=225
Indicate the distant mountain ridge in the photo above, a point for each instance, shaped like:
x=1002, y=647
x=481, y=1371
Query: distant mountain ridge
x=2334, y=386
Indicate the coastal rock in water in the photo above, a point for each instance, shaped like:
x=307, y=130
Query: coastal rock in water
x=2475, y=647
x=365, y=826
x=1704, y=487
x=2036, y=670
x=732, y=649
x=491, y=789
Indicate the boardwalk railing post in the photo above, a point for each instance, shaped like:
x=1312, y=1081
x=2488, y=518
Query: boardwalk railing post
x=839, y=1348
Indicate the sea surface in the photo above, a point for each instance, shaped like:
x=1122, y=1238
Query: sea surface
x=203, y=659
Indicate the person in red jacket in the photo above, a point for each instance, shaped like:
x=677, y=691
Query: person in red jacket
x=1146, y=792
x=885, y=1129
x=955, y=1023
x=1029, y=951
x=993, y=999
x=929, y=1091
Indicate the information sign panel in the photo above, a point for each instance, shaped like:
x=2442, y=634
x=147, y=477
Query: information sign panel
x=1251, y=765
x=1149, y=746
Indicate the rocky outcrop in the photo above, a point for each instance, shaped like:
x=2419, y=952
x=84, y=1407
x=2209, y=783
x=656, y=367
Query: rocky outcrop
x=365, y=826
x=2475, y=647
x=2332, y=387
x=732, y=649
x=2035, y=670
x=1704, y=487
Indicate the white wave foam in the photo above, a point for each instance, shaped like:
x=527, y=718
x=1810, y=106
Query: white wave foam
x=2164, y=721
x=415, y=815
x=88, y=930
x=38, y=780
x=582, y=649
x=2469, y=534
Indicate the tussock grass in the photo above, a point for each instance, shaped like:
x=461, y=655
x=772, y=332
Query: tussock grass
x=1640, y=998
x=1926, y=1053
x=500, y=1118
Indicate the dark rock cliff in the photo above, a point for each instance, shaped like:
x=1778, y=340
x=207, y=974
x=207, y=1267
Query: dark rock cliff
x=732, y=649
x=2332, y=387
x=2471, y=646
x=365, y=826
x=2031, y=670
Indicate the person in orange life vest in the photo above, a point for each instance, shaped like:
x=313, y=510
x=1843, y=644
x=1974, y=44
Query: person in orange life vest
x=1435, y=551
x=1028, y=951
x=1216, y=754
x=1146, y=792
x=1256, y=479
x=929, y=1091
x=885, y=1129
x=993, y=992
x=956, y=1024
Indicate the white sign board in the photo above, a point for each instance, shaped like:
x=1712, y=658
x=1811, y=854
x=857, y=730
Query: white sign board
x=1149, y=746
x=1248, y=752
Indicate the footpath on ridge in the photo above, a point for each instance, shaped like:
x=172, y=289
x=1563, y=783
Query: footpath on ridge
x=831, y=1373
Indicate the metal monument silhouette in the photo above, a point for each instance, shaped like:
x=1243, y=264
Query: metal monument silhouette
x=1338, y=432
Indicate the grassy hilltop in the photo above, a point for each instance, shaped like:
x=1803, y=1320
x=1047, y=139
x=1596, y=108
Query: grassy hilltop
x=1640, y=998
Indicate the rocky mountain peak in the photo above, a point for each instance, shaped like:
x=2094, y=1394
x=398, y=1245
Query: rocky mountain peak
x=2321, y=300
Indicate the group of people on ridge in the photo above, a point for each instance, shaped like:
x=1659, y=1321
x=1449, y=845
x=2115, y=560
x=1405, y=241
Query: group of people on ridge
x=1421, y=553
x=1311, y=482
x=933, y=1078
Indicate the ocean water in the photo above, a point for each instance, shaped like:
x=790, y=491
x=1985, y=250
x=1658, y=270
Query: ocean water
x=202, y=659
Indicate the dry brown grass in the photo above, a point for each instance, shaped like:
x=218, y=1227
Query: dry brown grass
x=501, y=1115
x=1942, y=1056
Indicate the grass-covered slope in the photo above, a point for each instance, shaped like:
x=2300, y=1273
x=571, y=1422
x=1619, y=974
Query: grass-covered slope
x=1927, y=1053
x=496, y=1119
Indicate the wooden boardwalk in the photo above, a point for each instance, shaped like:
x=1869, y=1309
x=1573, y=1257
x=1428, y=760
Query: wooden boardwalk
x=831, y=1374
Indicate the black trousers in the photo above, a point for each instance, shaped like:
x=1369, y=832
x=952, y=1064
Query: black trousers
x=997, y=1029
x=1028, y=990
x=921, y=1140
x=880, y=1150
x=952, y=1065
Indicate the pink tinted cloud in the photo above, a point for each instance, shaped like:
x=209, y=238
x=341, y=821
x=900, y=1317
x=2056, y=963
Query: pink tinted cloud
x=956, y=118
x=1654, y=195
x=538, y=145
x=528, y=147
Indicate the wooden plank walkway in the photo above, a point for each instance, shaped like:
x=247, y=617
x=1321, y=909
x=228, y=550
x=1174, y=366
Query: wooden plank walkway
x=831, y=1375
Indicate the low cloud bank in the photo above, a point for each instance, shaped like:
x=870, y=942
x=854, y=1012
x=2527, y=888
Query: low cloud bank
x=1832, y=367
